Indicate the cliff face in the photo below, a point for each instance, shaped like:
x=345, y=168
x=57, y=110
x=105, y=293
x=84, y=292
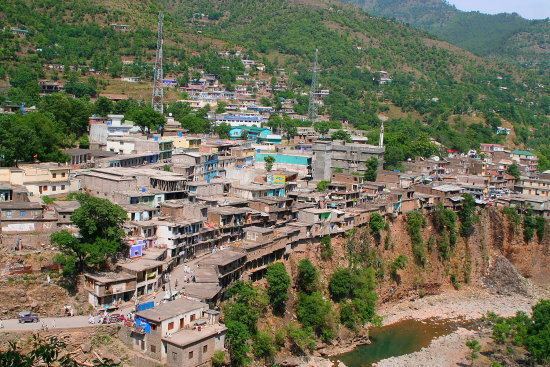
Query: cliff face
x=489, y=257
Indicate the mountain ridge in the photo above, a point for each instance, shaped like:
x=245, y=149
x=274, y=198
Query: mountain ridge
x=505, y=35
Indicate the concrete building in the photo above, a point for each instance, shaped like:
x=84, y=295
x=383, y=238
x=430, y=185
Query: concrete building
x=349, y=158
x=39, y=178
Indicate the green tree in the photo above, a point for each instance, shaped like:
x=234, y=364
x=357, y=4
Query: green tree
x=263, y=347
x=513, y=170
x=371, y=171
x=278, y=283
x=307, y=280
x=71, y=113
x=322, y=185
x=322, y=127
x=223, y=130
x=467, y=215
x=326, y=248
x=314, y=312
x=415, y=223
x=538, y=339
x=341, y=135
x=269, y=161
x=376, y=224
x=147, y=118
x=100, y=235
x=218, y=358
x=340, y=284
x=221, y=107
x=237, y=340
x=302, y=339
x=103, y=106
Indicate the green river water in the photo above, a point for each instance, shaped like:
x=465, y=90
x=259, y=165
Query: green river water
x=397, y=339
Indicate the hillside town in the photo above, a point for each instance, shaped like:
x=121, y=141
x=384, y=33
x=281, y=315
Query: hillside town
x=218, y=180
x=204, y=212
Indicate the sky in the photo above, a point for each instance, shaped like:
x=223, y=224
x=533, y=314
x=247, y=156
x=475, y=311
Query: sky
x=530, y=9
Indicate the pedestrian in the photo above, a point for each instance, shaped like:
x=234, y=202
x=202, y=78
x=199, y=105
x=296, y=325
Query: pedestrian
x=90, y=319
x=176, y=283
x=53, y=324
x=1, y=324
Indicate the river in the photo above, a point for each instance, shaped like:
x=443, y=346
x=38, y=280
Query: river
x=401, y=338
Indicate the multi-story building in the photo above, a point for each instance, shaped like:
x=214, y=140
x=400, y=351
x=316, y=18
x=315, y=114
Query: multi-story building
x=337, y=155
x=39, y=179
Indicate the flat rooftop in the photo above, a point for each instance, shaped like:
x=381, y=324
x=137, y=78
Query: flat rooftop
x=190, y=336
x=170, y=309
x=140, y=264
x=222, y=258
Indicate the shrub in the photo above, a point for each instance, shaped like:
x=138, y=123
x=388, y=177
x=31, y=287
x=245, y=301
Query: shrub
x=315, y=313
x=340, y=285
x=302, y=339
x=263, y=346
x=415, y=223
x=326, y=248
x=308, y=277
x=399, y=263
x=278, y=283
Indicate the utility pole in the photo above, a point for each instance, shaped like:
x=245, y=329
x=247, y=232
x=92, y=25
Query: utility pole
x=381, y=140
x=312, y=108
x=157, y=100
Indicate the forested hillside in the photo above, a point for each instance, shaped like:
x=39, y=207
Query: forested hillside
x=506, y=36
x=449, y=94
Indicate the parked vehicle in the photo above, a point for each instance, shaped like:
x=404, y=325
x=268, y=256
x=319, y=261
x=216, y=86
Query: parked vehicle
x=27, y=316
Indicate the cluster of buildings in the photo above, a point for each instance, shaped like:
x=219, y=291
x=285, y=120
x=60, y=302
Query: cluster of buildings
x=204, y=212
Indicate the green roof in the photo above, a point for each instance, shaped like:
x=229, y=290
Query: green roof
x=522, y=152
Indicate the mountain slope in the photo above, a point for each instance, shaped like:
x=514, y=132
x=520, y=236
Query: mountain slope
x=508, y=36
x=459, y=98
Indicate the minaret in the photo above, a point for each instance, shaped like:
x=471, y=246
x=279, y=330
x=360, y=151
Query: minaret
x=381, y=140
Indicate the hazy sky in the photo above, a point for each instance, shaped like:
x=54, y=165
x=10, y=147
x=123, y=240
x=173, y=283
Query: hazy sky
x=531, y=9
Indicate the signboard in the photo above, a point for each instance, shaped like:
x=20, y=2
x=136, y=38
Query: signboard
x=136, y=250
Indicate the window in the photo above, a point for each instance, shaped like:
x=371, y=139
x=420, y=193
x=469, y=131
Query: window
x=153, y=349
x=205, y=348
x=193, y=317
x=8, y=213
x=45, y=188
x=22, y=213
x=190, y=354
x=54, y=188
x=153, y=327
x=174, y=356
x=171, y=326
x=143, y=345
x=62, y=187
x=54, y=175
x=63, y=174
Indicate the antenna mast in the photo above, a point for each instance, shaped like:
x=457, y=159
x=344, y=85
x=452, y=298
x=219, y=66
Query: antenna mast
x=312, y=108
x=158, y=91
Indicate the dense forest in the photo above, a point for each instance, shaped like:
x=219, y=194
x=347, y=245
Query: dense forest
x=444, y=94
x=506, y=36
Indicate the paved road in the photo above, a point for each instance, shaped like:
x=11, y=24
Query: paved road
x=50, y=322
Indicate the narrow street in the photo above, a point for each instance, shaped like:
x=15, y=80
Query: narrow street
x=49, y=322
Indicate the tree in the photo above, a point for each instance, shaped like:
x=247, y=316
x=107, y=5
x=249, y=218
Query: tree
x=322, y=185
x=322, y=127
x=147, y=118
x=263, y=347
x=475, y=347
x=371, y=171
x=278, y=283
x=308, y=277
x=538, y=341
x=223, y=130
x=302, y=339
x=340, y=285
x=467, y=215
x=72, y=114
x=341, y=135
x=377, y=224
x=218, y=358
x=50, y=352
x=221, y=107
x=103, y=106
x=326, y=248
x=100, y=235
x=314, y=312
x=269, y=161
x=513, y=170
x=237, y=340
